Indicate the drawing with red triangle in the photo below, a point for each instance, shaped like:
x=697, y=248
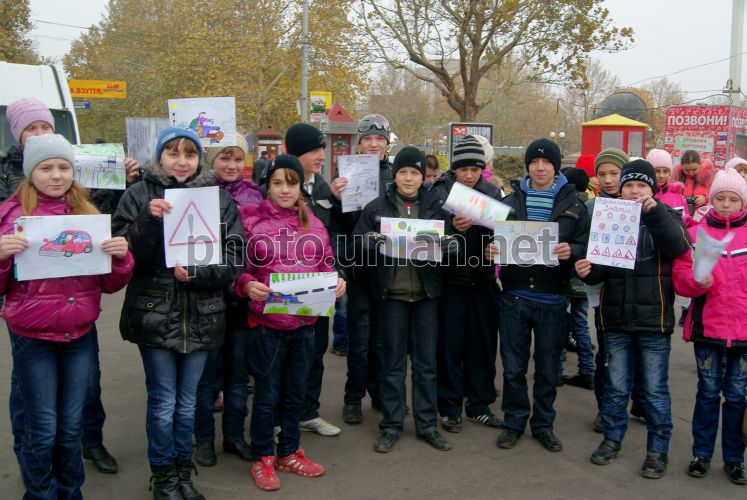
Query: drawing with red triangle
x=629, y=255
x=631, y=241
x=618, y=254
x=595, y=251
x=606, y=252
x=192, y=228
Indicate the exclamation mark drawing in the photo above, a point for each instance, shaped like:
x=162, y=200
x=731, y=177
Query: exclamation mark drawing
x=191, y=222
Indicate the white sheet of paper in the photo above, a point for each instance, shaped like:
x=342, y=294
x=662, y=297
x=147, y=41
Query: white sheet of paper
x=142, y=136
x=613, y=238
x=481, y=208
x=63, y=245
x=402, y=233
x=362, y=173
x=302, y=294
x=191, y=234
x=100, y=166
x=213, y=119
x=708, y=251
x=526, y=243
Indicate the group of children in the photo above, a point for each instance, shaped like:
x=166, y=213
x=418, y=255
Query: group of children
x=180, y=316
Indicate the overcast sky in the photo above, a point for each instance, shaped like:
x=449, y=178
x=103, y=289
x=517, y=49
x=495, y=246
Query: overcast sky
x=670, y=36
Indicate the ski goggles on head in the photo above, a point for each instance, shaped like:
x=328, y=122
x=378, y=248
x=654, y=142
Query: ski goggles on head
x=374, y=122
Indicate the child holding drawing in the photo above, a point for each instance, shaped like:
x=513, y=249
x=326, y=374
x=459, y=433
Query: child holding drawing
x=50, y=321
x=175, y=316
x=225, y=368
x=407, y=293
x=716, y=328
x=637, y=318
x=284, y=237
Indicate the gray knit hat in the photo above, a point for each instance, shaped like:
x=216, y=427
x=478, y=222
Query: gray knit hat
x=468, y=152
x=611, y=155
x=43, y=147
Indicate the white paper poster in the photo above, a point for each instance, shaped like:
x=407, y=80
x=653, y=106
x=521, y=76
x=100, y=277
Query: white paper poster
x=142, y=136
x=213, y=119
x=100, y=166
x=63, y=245
x=191, y=231
x=613, y=239
x=302, y=294
x=708, y=251
x=362, y=173
x=526, y=243
x=481, y=208
x=402, y=240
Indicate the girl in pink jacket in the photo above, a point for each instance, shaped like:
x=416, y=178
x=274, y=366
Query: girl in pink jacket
x=283, y=236
x=715, y=324
x=50, y=320
x=668, y=191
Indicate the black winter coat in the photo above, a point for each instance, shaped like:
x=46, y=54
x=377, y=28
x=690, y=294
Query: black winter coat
x=641, y=299
x=382, y=267
x=11, y=172
x=573, y=224
x=462, y=272
x=159, y=311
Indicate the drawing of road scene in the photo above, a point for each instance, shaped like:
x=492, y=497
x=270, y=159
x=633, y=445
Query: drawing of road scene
x=311, y=295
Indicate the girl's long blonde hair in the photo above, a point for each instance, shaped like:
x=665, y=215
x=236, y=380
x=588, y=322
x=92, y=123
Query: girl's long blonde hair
x=78, y=199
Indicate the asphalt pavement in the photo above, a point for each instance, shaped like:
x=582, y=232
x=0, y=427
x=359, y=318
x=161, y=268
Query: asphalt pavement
x=474, y=469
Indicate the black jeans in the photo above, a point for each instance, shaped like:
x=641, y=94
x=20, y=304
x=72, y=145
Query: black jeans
x=364, y=345
x=519, y=317
x=413, y=325
x=314, y=382
x=467, y=348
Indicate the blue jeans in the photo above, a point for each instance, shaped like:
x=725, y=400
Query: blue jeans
x=171, y=379
x=364, y=345
x=649, y=352
x=518, y=318
x=340, y=326
x=721, y=370
x=15, y=410
x=409, y=328
x=93, y=410
x=580, y=330
x=55, y=373
x=232, y=379
x=279, y=361
x=316, y=370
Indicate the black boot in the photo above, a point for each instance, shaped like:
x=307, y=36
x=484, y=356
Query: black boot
x=184, y=471
x=164, y=483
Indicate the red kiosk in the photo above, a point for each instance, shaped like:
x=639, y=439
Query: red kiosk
x=339, y=130
x=613, y=131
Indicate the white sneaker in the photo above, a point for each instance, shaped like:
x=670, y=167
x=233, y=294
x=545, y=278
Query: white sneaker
x=275, y=432
x=320, y=426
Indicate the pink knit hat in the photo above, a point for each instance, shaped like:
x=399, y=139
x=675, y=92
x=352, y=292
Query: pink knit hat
x=728, y=180
x=660, y=158
x=24, y=112
x=734, y=162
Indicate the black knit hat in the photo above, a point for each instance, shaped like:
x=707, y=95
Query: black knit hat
x=285, y=161
x=409, y=157
x=302, y=138
x=468, y=153
x=639, y=170
x=543, y=148
x=577, y=177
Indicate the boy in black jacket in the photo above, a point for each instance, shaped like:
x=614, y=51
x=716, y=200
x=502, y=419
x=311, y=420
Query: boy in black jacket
x=407, y=291
x=637, y=318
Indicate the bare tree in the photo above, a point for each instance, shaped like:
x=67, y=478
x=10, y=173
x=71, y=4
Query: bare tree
x=457, y=42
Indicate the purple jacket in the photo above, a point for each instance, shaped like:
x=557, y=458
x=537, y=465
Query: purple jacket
x=56, y=309
x=244, y=192
x=276, y=243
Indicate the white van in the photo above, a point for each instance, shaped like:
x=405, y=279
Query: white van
x=47, y=83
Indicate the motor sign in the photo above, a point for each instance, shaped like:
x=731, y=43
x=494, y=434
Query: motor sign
x=99, y=89
x=458, y=131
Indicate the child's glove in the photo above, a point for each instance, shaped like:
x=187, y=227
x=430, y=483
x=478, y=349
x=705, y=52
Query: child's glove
x=372, y=240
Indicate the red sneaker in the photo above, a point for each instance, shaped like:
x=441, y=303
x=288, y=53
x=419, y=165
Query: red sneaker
x=263, y=472
x=299, y=464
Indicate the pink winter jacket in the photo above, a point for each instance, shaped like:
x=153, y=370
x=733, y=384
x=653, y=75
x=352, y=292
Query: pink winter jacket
x=717, y=314
x=277, y=243
x=56, y=309
x=671, y=195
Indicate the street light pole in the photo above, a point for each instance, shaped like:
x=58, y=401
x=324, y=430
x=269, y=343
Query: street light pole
x=305, y=64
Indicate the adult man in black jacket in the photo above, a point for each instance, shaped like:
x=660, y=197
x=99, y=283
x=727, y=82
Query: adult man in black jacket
x=307, y=143
x=534, y=297
x=468, y=323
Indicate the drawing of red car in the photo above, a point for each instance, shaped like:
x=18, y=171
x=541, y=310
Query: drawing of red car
x=67, y=243
x=279, y=298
